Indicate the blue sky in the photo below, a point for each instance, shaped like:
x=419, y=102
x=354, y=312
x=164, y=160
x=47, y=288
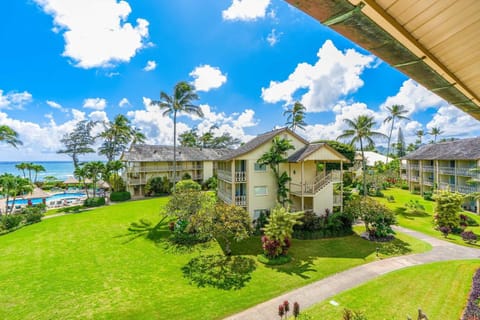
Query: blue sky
x=65, y=61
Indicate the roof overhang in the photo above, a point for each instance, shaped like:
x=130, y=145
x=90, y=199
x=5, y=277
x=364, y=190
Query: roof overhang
x=436, y=43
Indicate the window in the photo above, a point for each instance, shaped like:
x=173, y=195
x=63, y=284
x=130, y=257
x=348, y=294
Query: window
x=260, y=191
x=260, y=167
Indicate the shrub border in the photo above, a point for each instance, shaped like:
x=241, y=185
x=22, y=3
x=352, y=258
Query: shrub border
x=473, y=309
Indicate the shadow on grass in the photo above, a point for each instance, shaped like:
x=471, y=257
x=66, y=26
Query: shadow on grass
x=410, y=214
x=395, y=247
x=219, y=271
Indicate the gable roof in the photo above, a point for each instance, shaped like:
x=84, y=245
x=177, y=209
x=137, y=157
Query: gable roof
x=151, y=153
x=465, y=149
x=258, y=141
x=306, y=151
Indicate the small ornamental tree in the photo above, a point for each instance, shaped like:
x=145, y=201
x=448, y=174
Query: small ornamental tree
x=278, y=231
x=447, y=206
x=230, y=222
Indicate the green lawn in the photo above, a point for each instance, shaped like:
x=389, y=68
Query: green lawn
x=422, y=223
x=88, y=265
x=439, y=289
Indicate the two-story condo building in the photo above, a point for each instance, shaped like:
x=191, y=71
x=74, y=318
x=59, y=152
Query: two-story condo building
x=243, y=182
x=143, y=162
x=445, y=166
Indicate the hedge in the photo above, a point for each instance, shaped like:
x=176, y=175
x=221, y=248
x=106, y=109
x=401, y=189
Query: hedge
x=120, y=196
x=94, y=202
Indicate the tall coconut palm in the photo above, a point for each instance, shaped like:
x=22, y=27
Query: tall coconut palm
x=37, y=168
x=420, y=134
x=180, y=101
x=94, y=169
x=360, y=132
x=9, y=136
x=296, y=116
x=22, y=167
x=395, y=111
x=81, y=174
x=435, y=131
x=116, y=137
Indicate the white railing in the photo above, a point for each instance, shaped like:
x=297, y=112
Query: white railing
x=446, y=170
x=415, y=178
x=446, y=186
x=414, y=166
x=468, y=172
x=428, y=182
x=241, y=201
x=404, y=176
x=311, y=188
x=336, y=176
x=427, y=168
x=467, y=189
x=224, y=175
x=227, y=198
x=133, y=181
x=240, y=176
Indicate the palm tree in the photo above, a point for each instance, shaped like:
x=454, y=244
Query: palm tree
x=112, y=173
x=94, y=170
x=395, y=111
x=435, y=131
x=296, y=116
x=81, y=174
x=360, y=131
x=180, y=101
x=419, y=134
x=116, y=137
x=37, y=168
x=22, y=167
x=9, y=136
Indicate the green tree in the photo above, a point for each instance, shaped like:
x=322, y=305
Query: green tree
x=189, y=138
x=95, y=170
x=157, y=185
x=394, y=112
x=180, y=101
x=11, y=186
x=37, y=168
x=279, y=229
x=112, y=174
x=79, y=141
x=435, y=132
x=447, y=207
x=117, y=136
x=208, y=139
x=273, y=158
x=81, y=173
x=296, y=116
x=400, y=144
x=420, y=134
x=22, y=167
x=9, y=136
x=360, y=131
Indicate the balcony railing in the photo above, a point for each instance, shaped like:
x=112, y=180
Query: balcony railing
x=225, y=196
x=136, y=181
x=163, y=168
x=467, y=172
x=240, y=176
x=467, y=189
x=415, y=178
x=224, y=175
x=241, y=200
x=337, y=200
x=446, y=170
x=427, y=168
x=404, y=176
x=446, y=186
x=428, y=182
x=414, y=166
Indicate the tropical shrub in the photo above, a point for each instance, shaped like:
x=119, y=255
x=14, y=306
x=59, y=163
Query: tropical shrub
x=415, y=207
x=187, y=176
x=33, y=214
x=445, y=230
x=467, y=221
x=187, y=185
x=158, y=185
x=469, y=237
x=260, y=222
x=210, y=184
x=472, y=311
x=11, y=221
x=428, y=196
x=448, y=204
x=404, y=186
x=120, y=196
x=278, y=231
x=94, y=202
x=328, y=225
x=377, y=218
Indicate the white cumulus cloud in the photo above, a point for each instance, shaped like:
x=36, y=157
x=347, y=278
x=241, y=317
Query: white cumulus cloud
x=246, y=10
x=56, y=105
x=335, y=75
x=273, y=37
x=453, y=122
x=96, y=33
x=124, y=102
x=14, y=100
x=207, y=77
x=95, y=103
x=151, y=65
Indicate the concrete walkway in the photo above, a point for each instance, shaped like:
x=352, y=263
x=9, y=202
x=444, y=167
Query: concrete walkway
x=330, y=286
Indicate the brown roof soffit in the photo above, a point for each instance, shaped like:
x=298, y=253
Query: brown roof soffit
x=351, y=22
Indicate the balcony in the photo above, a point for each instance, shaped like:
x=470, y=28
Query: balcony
x=415, y=178
x=427, y=168
x=240, y=176
x=446, y=186
x=135, y=181
x=224, y=175
x=446, y=170
x=404, y=177
x=225, y=196
x=414, y=166
x=467, y=172
x=428, y=182
x=241, y=200
x=467, y=189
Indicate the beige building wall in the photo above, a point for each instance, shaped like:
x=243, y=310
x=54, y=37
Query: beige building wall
x=207, y=170
x=323, y=200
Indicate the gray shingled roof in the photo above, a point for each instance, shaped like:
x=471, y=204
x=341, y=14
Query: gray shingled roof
x=465, y=149
x=258, y=141
x=151, y=153
x=301, y=154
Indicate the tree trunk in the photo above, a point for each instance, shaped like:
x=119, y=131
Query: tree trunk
x=389, y=139
x=174, y=149
x=364, y=169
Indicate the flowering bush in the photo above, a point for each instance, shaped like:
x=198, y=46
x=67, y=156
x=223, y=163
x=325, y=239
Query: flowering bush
x=472, y=311
x=469, y=237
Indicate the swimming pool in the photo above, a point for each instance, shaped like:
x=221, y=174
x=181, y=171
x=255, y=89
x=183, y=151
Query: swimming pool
x=52, y=198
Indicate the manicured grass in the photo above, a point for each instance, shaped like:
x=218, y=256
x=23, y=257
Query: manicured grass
x=439, y=289
x=422, y=222
x=88, y=265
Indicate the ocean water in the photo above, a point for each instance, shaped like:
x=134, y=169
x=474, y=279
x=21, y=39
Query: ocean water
x=58, y=169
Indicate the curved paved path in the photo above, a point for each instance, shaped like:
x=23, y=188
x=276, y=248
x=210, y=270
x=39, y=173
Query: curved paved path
x=332, y=285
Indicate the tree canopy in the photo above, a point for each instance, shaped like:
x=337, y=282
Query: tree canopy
x=79, y=141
